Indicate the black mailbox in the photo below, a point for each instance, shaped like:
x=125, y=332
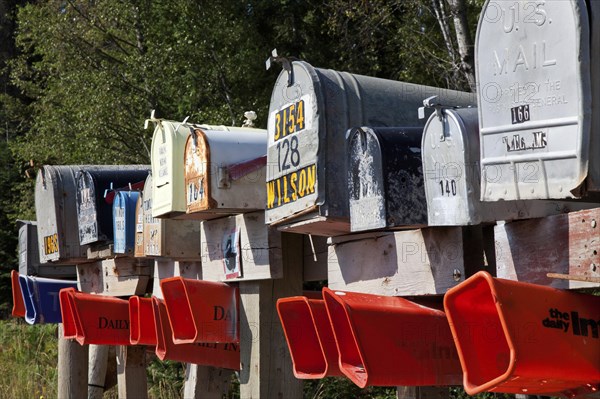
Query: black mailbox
x=94, y=212
x=385, y=178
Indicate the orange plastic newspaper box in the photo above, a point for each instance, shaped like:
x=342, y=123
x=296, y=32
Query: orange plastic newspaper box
x=524, y=338
x=389, y=341
x=141, y=317
x=222, y=355
x=18, y=309
x=201, y=311
x=309, y=337
x=94, y=319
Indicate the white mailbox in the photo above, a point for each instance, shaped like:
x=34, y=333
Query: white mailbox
x=225, y=171
x=310, y=111
x=537, y=84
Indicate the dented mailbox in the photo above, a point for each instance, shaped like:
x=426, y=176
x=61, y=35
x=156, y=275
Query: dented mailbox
x=385, y=178
x=311, y=109
x=176, y=239
x=224, y=171
x=124, y=222
x=539, y=137
x=94, y=212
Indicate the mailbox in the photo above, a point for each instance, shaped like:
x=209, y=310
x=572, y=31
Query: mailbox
x=94, y=212
x=40, y=297
x=539, y=136
x=311, y=109
x=138, y=250
x=451, y=167
x=124, y=221
x=225, y=171
x=385, y=178
x=29, y=255
x=171, y=238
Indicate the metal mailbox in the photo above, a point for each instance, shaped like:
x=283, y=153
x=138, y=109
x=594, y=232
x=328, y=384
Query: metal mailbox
x=94, y=212
x=311, y=109
x=225, y=171
x=539, y=136
x=29, y=255
x=138, y=250
x=124, y=221
x=169, y=238
x=385, y=178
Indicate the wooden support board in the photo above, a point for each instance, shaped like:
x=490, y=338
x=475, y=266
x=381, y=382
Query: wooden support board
x=98, y=362
x=72, y=367
x=206, y=382
x=564, y=244
x=259, y=246
x=266, y=364
x=121, y=276
x=131, y=372
x=165, y=268
x=413, y=262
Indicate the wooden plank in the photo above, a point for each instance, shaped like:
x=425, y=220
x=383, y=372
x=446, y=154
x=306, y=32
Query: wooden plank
x=72, y=367
x=204, y=382
x=165, y=268
x=423, y=393
x=98, y=362
x=260, y=248
x=315, y=258
x=266, y=364
x=413, y=262
x=131, y=372
x=316, y=225
x=565, y=244
x=115, y=277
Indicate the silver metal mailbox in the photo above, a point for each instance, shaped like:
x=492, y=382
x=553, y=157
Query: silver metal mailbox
x=94, y=212
x=385, y=178
x=225, y=171
x=539, y=136
x=451, y=167
x=309, y=114
x=168, y=238
x=29, y=259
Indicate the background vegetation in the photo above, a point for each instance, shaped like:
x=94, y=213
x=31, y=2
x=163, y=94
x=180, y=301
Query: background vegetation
x=78, y=78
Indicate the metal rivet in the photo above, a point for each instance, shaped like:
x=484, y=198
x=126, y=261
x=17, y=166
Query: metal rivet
x=456, y=274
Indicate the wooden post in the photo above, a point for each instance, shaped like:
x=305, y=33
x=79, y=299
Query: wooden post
x=131, y=372
x=72, y=367
x=98, y=362
x=205, y=382
x=423, y=393
x=266, y=364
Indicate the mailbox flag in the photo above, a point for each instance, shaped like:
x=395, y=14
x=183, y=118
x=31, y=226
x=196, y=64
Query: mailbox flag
x=309, y=337
x=141, y=316
x=94, y=319
x=225, y=355
x=40, y=298
x=18, y=309
x=522, y=338
x=201, y=311
x=390, y=341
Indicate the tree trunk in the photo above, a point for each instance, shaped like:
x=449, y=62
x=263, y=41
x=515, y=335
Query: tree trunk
x=458, y=10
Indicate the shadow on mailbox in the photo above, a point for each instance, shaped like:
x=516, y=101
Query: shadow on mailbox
x=124, y=221
x=516, y=337
x=94, y=213
x=94, y=319
x=223, y=355
x=38, y=302
x=385, y=178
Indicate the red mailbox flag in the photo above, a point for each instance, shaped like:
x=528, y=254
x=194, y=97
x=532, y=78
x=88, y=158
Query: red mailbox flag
x=524, y=338
x=94, y=319
x=201, y=311
x=309, y=337
x=224, y=355
x=18, y=309
x=390, y=341
x=141, y=316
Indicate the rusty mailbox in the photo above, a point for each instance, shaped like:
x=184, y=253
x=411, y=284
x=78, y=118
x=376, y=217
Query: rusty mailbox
x=385, y=178
x=170, y=238
x=451, y=169
x=94, y=211
x=124, y=221
x=224, y=171
x=310, y=111
x=29, y=255
x=539, y=136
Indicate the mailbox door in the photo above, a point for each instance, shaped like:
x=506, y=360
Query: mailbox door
x=197, y=174
x=533, y=70
x=138, y=251
x=124, y=222
x=153, y=227
x=29, y=259
x=366, y=185
x=87, y=214
x=451, y=168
